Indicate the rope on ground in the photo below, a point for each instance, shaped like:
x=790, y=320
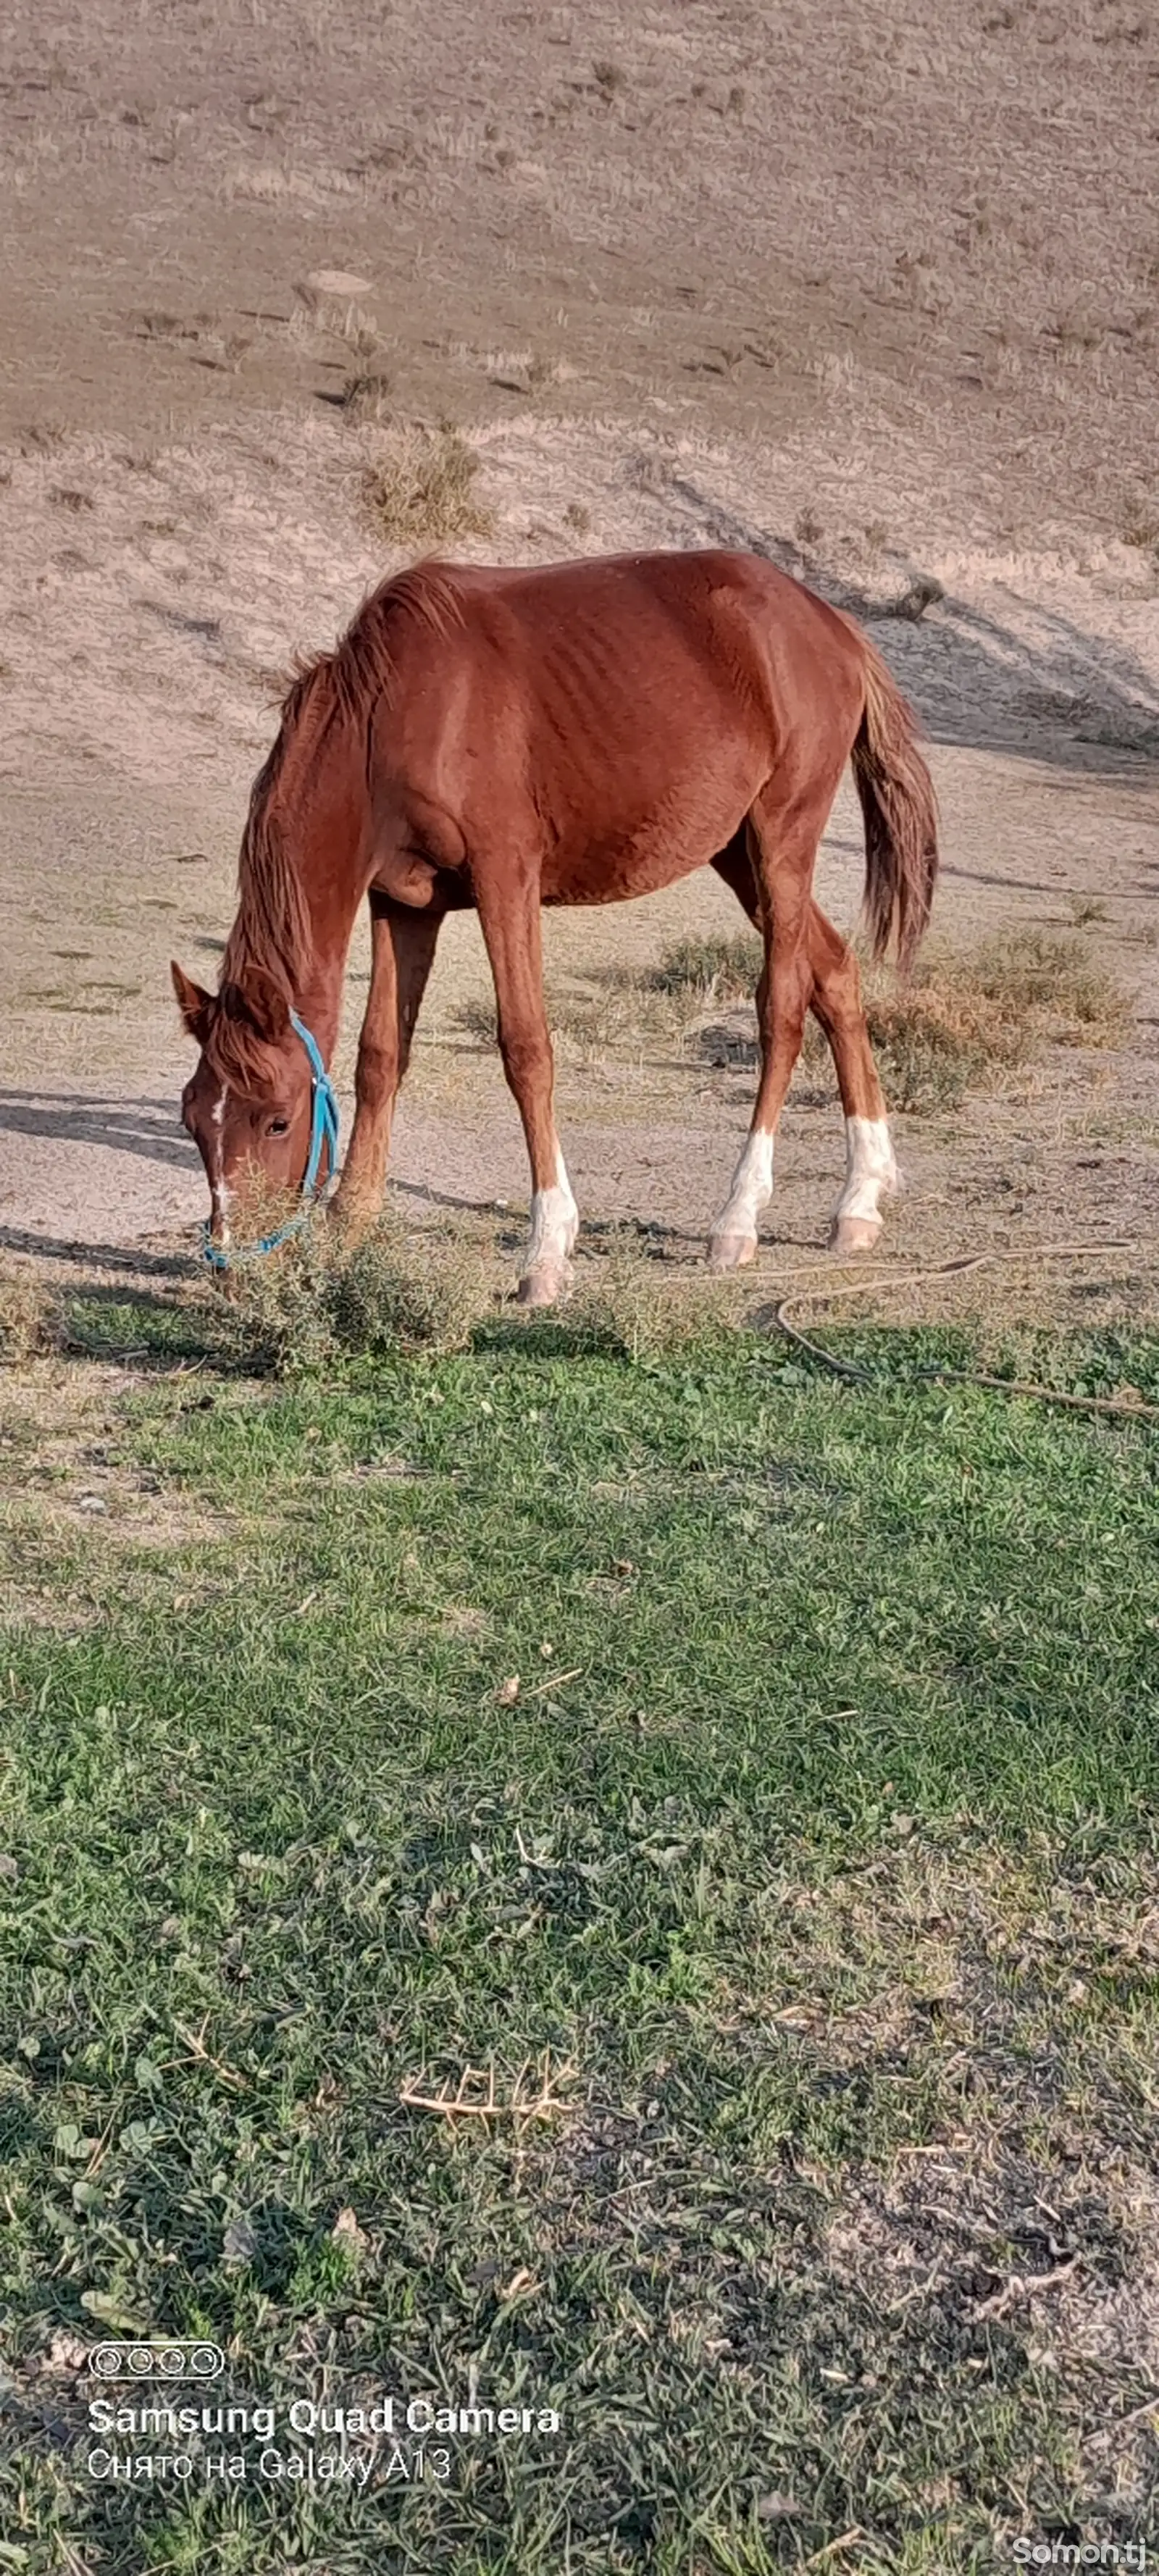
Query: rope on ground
x=1127, y=1408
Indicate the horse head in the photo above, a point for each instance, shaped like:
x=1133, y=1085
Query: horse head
x=250, y=1105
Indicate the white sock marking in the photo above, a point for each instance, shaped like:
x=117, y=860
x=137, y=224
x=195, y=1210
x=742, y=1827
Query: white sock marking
x=869, y=1168
x=554, y=1222
x=752, y=1187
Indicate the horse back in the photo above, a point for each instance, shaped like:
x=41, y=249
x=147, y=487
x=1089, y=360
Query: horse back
x=620, y=715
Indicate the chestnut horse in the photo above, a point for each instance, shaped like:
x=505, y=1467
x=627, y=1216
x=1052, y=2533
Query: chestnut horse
x=575, y=734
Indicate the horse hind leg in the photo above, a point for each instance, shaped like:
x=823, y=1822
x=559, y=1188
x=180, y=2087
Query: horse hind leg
x=733, y=1240
x=734, y=866
x=870, y=1171
x=782, y=834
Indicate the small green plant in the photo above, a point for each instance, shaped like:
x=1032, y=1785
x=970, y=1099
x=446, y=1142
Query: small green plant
x=421, y=491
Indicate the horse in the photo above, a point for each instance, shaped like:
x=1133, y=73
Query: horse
x=575, y=733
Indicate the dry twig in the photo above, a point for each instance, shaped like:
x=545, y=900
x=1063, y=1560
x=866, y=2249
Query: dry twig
x=532, y=2095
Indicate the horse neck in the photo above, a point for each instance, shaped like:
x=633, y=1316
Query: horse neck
x=324, y=830
x=318, y=997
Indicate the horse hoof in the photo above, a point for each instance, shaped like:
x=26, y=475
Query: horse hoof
x=545, y=1285
x=731, y=1251
x=854, y=1234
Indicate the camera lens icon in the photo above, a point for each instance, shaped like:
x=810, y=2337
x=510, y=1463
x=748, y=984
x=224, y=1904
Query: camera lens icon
x=156, y=2361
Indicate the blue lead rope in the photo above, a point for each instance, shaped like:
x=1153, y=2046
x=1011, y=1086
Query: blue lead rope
x=323, y=1139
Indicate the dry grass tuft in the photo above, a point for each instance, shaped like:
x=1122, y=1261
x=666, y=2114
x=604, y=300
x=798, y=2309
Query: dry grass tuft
x=31, y=1324
x=422, y=489
x=325, y=1297
x=618, y=1015
x=1141, y=524
x=961, y=1021
x=628, y=1302
x=713, y=969
x=366, y=397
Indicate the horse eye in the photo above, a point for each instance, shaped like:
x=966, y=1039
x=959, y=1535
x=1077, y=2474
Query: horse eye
x=278, y=1127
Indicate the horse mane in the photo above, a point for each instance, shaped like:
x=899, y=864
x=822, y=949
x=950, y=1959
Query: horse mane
x=271, y=933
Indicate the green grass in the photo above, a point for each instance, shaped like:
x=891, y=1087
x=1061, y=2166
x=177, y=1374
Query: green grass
x=818, y=1837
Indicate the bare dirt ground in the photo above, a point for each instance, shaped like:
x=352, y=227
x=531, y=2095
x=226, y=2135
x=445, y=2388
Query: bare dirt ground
x=871, y=289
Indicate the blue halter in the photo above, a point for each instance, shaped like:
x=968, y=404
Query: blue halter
x=323, y=1137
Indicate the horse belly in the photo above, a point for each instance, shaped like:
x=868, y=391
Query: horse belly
x=677, y=829
x=615, y=872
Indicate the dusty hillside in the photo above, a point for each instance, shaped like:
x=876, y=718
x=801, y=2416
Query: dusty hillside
x=873, y=292
x=712, y=211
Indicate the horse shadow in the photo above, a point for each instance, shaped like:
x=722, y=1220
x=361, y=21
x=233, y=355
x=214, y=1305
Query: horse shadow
x=144, y=1127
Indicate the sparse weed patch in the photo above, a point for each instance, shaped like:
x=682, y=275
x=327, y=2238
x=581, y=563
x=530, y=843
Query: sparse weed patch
x=31, y=1321
x=960, y=1020
x=421, y=491
x=327, y=1297
x=618, y=1014
x=712, y=969
x=963, y=1020
x=366, y=396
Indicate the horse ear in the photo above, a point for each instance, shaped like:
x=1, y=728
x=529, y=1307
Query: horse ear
x=193, y=1002
x=262, y=1001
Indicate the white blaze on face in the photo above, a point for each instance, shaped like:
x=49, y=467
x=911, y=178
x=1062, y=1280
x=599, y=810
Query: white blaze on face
x=752, y=1188
x=554, y=1222
x=870, y=1168
x=218, y=1186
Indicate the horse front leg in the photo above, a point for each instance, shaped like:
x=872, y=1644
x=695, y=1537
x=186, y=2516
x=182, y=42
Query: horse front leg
x=402, y=948
x=511, y=929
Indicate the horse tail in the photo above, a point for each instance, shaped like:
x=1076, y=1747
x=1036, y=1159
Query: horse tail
x=900, y=812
